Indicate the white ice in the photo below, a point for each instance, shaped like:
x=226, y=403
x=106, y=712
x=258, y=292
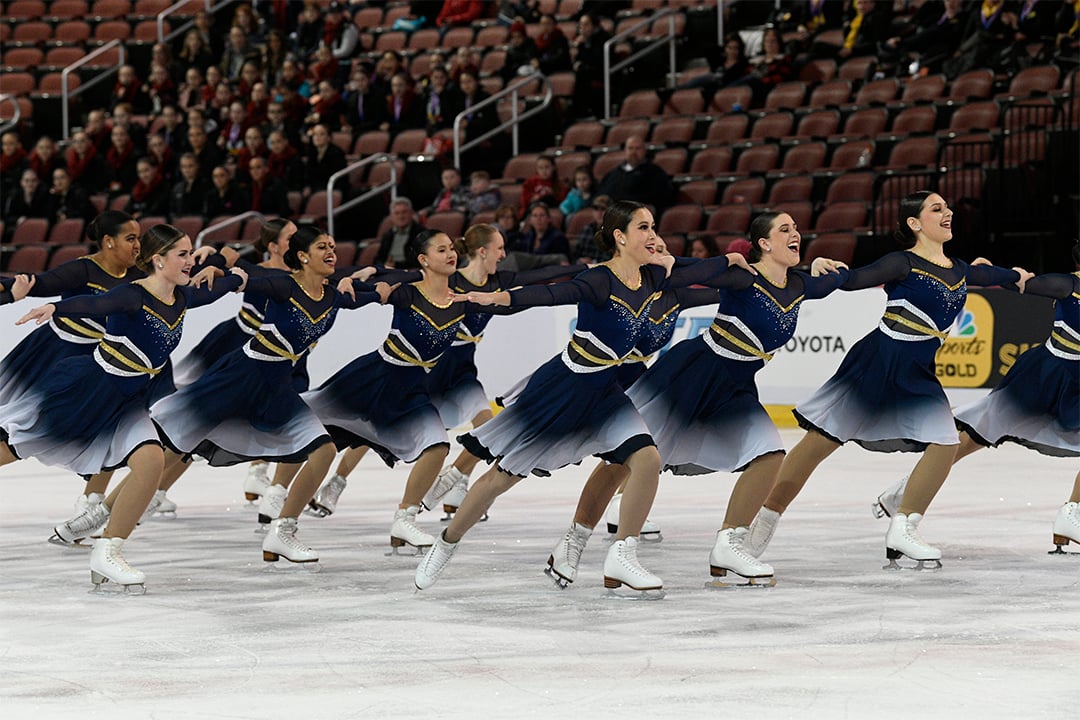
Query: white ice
x=994, y=634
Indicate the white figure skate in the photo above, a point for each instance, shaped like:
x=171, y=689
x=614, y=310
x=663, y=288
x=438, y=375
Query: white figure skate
x=326, y=497
x=434, y=562
x=563, y=561
x=903, y=540
x=729, y=555
x=621, y=567
x=270, y=506
x=256, y=482
x=281, y=542
x=405, y=533
x=107, y=565
x=87, y=523
x=650, y=531
x=1066, y=528
x=888, y=502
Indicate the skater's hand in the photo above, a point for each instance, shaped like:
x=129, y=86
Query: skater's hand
x=1024, y=277
x=384, y=290
x=981, y=261
x=41, y=314
x=364, y=273
x=345, y=286
x=665, y=261
x=483, y=298
x=239, y=272
x=21, y=287
x=823, y=265
x=737, y=260
x=206, y=277
x=200, y=255
x=230, y=255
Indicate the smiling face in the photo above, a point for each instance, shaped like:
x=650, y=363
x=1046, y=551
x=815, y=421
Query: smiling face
x=439, y=257
x=784, y=241
x=320, y=255
x=935, y=220
x=489, y=255
x=638, y=242
x=175, y=265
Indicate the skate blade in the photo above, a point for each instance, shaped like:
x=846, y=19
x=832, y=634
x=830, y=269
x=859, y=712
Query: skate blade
x=628, y=593
x=103, y=586
x=167, y=515
x=919, y=565
x=316, y=511
x=1055, y=551
x=290, y=566
x=85, y=543
x=560, y=582
x=450, y=516
x=407, y=551
x=651, y=537
x=762, y=582
x=879, y=510
x=261, y=529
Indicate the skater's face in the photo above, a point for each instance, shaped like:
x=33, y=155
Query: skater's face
x=175, y=265
x=784, y=241
x=281, y=245
x=124, y=246
x=489, y=255
x=638, y=241
x=934, y=221
x=320, y=255
x=439, y=257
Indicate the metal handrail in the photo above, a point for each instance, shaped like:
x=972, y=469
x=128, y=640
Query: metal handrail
x=5, y=126
x=371, y=192
x=669, y=13
x=515, y=117
x=66, y=95
x=226, y=223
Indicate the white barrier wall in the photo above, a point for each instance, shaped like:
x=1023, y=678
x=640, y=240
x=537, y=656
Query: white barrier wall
x=516, y=345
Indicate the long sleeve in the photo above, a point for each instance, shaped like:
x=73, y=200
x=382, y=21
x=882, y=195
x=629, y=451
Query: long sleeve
x=364, y=296
x=591, y=287
x=69, y=276
x=197, y=297
x=711, y=272
x=818, y=287
x=894, y=266
x=689, y=297
x=276, y=286
x=126, y=298
x=543, y=275
x=988, y=275
x=1052, y=285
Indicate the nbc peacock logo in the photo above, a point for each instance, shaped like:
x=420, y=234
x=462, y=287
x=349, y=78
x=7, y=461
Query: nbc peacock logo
x=964, y=326
x=963, y=360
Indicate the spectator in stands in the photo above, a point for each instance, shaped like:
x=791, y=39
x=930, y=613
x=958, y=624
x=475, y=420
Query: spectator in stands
x=327, y=107
x=254, y=147
x=250, y=75
x=268, y=194
x=274, y=54
x=226, y=197
x=703, y=246
x=285, y=162
x=520, y=53
x=277, y=122
x=208, y=155
x=403, y=110
x=44, y=159
x=990, y=30
x=322, y=160
x=586, y=249
x=638, y=178
x=422, y=13
x=458, y=13
x=211, y=36
x=197, y=117
x=506, y=219
x=162, y=54
x=527, y=11
x=218, y=107
x=159, y=88
x=442, y=101
x=541, y=237
x=128, y=89
x=464, y=59
x=85, y=167
x=231, y=138
x=123, y=115
x=452, y=198
x=12, y=162
x=365, y=109
x=733, y=67
x=588, y=97
x=931, y=39
x=552, y=48
x=805, y=20
x=29, y=201
x=543, y=187
x=120, y=162
x=581, y=195
x=394, y=242
x=771, y=68
x=483, y=197
x=163, y=156
x=864, y=33
x=172, y=129
x=195, y=53
x=258, y=104
x=150, y=196
x=309, y=30
x=325, y=66
x=1035, y=25
x=292, y=91
x=237, y=53
x=476, y=123
x=98, y=130
x=339, y=33
x=66, y=201
x=1067, y=42
x=190, y=94
x=245, y=19
x=188, y=196
x=388, y=66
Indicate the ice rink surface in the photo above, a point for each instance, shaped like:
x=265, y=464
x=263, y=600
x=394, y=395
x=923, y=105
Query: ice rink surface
x=994, y=634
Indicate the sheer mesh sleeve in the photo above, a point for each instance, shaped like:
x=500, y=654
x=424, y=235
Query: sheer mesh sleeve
x=217, y=260
x=1053, y=285
x=365, y=295
x=989, y=275
x=64, y=279
x=197, y=297
x=277, y=286
x=890, y=268
x=126, y=298
x=591, y=287
x=696, y=297
x=819, y=287
x=693, y=271
x=509, y=279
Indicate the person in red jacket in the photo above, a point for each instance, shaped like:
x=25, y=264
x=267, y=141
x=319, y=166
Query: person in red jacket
x=458, y=12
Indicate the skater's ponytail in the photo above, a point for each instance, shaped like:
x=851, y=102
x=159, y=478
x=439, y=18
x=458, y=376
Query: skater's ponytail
x=616, y=217
x=910, y=207
x=759, y=230
x=300, y=242
x=109, y=223
x=476, y=237
x=270, y=234
x=158, y=240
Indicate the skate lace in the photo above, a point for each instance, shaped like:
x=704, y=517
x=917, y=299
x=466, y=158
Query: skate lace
x=334, y=489
x=287, y=535
x=912, y=532
x=115, y=557
x=575, y=546
x=438, y=557
x=628, y=558
x=90, y=519
x=736, y=544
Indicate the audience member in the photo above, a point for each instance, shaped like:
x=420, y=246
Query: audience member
x=285, y=162
x=543, y=187
x=162, y=155
x=587, y=249
x=638, y=179
x=85, y=167
x=327, y=108
x=403, y=110
x=236, y=54
x=506, y=219
x=520, y=53
x=452, y=198
x=254, y=146
x=769, y=69
x=552, y=48
x=483, y=197
x=188, y=195
x=226, y=197
x=322, y=160
x=12, y=162
x=339, y=33
x=150, y=195
x=394, y=243
x=703, y=246
x=44, y=159
x=195, y=53
x=208, y=155
x=120, y=172
x=588, y=97
x=30, y=200
x=268, y=194
x=541, y=237
x=442, y=101
x=128, y=89
x=580, y=196
x=172, y=129
x=365, y=109
x=66, y=201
